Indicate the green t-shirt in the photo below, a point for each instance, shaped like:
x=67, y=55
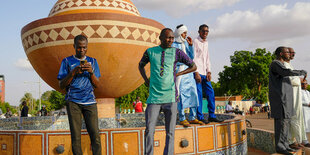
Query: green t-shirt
x=163, y=65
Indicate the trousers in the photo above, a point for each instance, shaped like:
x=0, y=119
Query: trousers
x=90, y=114
x=151, y=115
x=205, y=87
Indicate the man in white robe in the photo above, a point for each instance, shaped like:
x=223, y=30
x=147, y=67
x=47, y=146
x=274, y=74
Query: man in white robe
x=186, y=83
x=306, y=108
x=297, y=128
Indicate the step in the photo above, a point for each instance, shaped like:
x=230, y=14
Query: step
x=299, y=152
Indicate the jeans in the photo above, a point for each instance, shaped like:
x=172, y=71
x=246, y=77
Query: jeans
x=151, y=115
x=90, y=114
x=205, y=87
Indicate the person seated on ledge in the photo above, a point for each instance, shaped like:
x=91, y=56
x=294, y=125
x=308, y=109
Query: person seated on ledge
x=229, y=109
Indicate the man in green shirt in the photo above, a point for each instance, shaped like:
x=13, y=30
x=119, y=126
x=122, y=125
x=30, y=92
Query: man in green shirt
x=162, y=89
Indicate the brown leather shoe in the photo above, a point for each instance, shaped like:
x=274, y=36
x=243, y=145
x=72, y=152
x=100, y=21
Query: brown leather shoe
x=185, y=123
x=196, y=121
x=294, y=146
x=301, y=145
x=307, y=145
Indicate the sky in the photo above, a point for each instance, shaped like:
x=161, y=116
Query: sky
x=234, y=25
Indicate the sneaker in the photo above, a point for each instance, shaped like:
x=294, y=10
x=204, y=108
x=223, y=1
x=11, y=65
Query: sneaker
x=196, y=121
x=185, y=123
x=215, y=120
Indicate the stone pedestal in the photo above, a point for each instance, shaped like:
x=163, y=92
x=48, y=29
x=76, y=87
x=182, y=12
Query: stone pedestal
x=106, y=107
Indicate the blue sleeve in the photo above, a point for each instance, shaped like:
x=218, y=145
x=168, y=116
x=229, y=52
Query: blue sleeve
x=190, y=51
x=64, y=70
x=96, y=69
x=175, y=45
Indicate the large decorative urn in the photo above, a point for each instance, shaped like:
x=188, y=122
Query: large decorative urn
x=117, y=36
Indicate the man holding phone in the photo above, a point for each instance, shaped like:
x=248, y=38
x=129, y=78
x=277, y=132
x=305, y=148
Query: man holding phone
x=79, y=75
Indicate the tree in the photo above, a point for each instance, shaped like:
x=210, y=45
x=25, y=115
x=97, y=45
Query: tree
x=48, y=105
x=57, y=100
x=46, y=95
x=45, y=100
x=27, y=97
x=217, y=89
x=127, y=100
x=29, y=100
x=247, y=75
x=5, y=105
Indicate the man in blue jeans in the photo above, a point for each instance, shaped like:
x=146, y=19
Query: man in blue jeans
x=203, y=74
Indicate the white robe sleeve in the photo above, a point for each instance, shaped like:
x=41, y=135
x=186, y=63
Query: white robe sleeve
x=305, y=97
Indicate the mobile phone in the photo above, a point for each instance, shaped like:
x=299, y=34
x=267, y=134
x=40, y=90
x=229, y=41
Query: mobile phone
x=83, y=62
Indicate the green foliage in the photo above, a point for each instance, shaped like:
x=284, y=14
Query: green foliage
x=48, y=105
x=5, y=105
x=33, y=112
x=28, y=98
x=247, y=75
x=46, y=95
x=308, y=88
x=127, y=100
x=217, y=89
x=31, y=103
x=53, y=100
x=57, y=100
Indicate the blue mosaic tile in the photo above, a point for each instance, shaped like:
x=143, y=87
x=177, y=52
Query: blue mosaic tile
x=261, y=140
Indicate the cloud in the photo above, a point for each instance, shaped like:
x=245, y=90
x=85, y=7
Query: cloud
x=272, y=23
x=179, y=8
x=23, y=64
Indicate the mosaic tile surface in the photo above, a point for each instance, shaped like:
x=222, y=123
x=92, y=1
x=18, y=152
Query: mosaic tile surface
x=261, y=140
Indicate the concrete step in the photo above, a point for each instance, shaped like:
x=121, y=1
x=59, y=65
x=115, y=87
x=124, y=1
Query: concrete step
x=299, y=152
x=306, y=151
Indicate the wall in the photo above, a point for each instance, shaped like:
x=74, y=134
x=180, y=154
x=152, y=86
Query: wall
x=213, y=138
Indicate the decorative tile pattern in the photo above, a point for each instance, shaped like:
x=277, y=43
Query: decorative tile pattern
x=97, y=31
x=116, y=139
x=261, y=140
x=138, y=120
x=48, y=123
x=117, y=5
x=125, y=142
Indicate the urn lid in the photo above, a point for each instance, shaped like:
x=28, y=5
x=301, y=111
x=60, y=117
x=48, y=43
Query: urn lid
x=93, y=6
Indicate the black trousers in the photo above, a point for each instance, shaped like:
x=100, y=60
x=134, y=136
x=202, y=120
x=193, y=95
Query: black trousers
x=281, y=131
x=90, y=114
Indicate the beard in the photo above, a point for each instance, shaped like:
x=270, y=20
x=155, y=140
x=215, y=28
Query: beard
x=285, y=58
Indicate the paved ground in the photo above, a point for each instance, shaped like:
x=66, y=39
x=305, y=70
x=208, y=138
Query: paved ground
x=261, y=121
x=252, y=151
